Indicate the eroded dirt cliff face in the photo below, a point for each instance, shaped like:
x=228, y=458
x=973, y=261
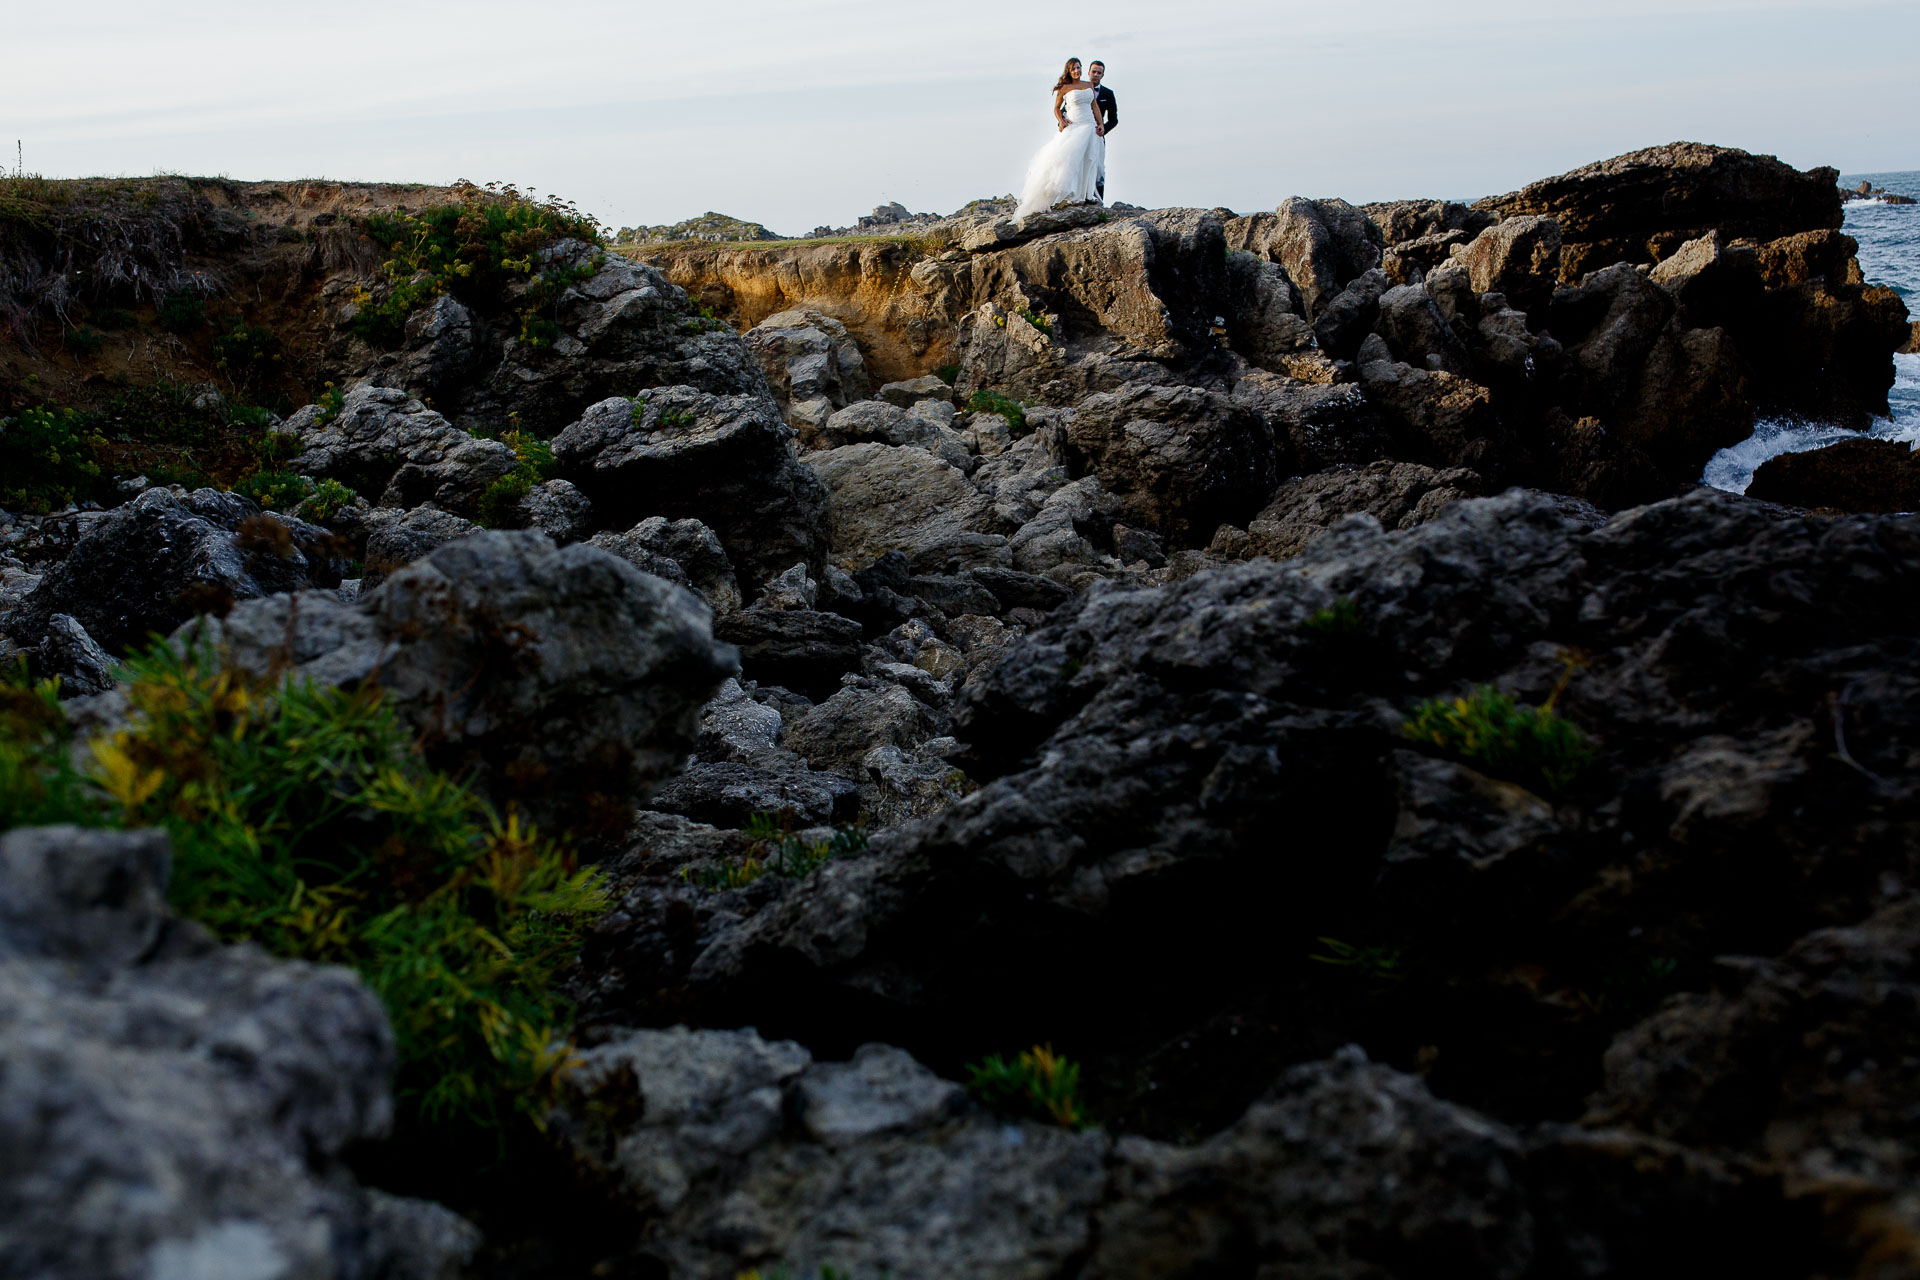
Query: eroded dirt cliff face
x=1279, y=661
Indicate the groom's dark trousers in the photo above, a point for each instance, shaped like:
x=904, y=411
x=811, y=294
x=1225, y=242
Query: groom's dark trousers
x=1106, y=109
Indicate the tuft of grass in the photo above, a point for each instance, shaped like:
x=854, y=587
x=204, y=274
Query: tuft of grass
x=1037, y=1083
x=331, y=401
x=303, y=820
x=275, y=490
x=181, y=312
x=777, y=851
x=948, y=373
x=1006, y=406
x=84, y=341
x=1529, y=745
x=249, y=354
x=1379, y=966
x=500, y=500
x=328, y=499
x=1338, y=621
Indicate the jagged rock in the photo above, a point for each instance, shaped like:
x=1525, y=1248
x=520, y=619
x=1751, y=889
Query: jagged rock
x=1417, y=334
x=838, y=733
x=1714, y=281
x=173, y=1107
x=383, y=443
x=1639, y=206
x=1438, y=415
x=734, y=727
x=1403, y=220
x=790, y=590
x=1345, y=1169
x=1853, y=475
x=878, y=421
x=1400, y=495
x=1807, y=1061
x=911, y=391
x=801, y=649
x=901, y=785
x=727, y=461
x=1021, y=479
x=1322, y=424
x=813, y=365
x=728, y=794
x=69, y=654
x=556, y=509
x=1181, y=459
x=623, y=330
x=439, y=348
x=145, y=567
x=395, y=544
x=1823, y=257
x=1349, y=316
x=683, y=551
x=566, y=680
x=750, y=1153
x=1265, y=316
x=1519, y=257
x=890, y=497
x=1055, y=542
x=1324, y=245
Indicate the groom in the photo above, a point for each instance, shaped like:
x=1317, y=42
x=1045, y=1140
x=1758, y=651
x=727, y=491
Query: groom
x=1106, y=114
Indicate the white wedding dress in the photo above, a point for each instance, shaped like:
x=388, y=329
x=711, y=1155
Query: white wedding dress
x=1068, y=167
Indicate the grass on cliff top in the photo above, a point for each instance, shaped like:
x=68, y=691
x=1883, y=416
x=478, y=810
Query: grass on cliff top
x=303, y=819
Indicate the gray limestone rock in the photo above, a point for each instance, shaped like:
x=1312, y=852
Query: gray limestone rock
x=1400, y=495
x=813, y=365
x=897, y=498
x=387, y=445
x=683, y=551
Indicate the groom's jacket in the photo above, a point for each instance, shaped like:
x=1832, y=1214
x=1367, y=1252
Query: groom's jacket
x=1105, y=109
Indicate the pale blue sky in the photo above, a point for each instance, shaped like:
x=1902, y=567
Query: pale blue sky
x=797, y=113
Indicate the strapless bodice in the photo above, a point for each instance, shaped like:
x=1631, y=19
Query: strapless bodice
x=1078, y=106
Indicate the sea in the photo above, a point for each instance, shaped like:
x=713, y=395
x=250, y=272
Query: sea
x=1889, y=236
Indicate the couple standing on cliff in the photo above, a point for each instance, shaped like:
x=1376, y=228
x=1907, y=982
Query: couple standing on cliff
x=1072, y=168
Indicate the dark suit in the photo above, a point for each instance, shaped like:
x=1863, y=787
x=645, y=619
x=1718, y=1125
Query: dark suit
x=1106, y=111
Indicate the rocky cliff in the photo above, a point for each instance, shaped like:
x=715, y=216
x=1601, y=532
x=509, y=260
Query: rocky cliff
x=1275, y=670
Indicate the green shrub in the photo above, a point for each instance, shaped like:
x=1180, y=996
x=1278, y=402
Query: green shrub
x=1338, y=621
x=327, y=500
x=1035, y=319
x=1006, y=406
x=948, y=373
x=499, y=503
x=249, y=354
x=778, y=851
x=181, y=312
x=704, y=318
x=1529, y=745
x=474, y=249
x=38, y=781
x=84, y=342
x=302, y=819
x=113, y=318
x=1038, y=1083
x=48, y=459
x=275, y=490
x=1380, y=967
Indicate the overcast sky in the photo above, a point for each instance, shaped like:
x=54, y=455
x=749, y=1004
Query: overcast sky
x=799, y=112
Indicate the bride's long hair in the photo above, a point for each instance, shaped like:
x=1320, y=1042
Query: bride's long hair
x=1067, y=73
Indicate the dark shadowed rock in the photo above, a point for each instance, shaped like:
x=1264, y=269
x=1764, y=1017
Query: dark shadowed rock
x=1400, y=495
x=1519, y=257
x=727, y=461
x=1638, y=207
x=397, y=543
x=1182, y=460
x=172, y=1107
x=727, y=794
x=801, y=649
x=144, y=568
x=683, y=551
x=1854, y=475
x=1348, y=317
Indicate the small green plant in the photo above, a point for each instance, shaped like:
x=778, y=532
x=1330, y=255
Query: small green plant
x=1006, y=406
x=38, y=781
x=303, y=819
x=181, y=312
x=1037, y=320
x=113, y=318
x=330, y=402
x=499, y=504
x=777, y=850
x=1379, y=966
x=1529, y=745
x=327, y=500
x=249, y=354
x=275, y=490
x=703, y=320
x=49, y=458
x=1338, y=621
x=675, y=419
x=1038, y=1083
x=948, y=373
x=84, y=342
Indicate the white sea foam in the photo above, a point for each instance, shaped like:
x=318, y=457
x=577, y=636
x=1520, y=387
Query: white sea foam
x=1732, y=468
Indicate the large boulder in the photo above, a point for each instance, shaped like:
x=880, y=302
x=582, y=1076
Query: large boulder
x=1853, y=475
x=1181, y=459
x=384, y=444
x=727, y=461
x=812, y=363
x=802, y=649
x=1438, y=416
x=144, y=568
x=1640, y=206
x=1323, y=244
x=682, y=551
x=1400, y=495
x=565, y=680
x=901, y=498
x=173, y=1108
x=1519, y=257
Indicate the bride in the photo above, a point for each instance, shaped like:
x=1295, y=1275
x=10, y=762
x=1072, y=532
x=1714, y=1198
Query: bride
x=1068, y=168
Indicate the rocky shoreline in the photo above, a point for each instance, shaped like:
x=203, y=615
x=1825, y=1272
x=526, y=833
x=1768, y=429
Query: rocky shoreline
x=1282, y=662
